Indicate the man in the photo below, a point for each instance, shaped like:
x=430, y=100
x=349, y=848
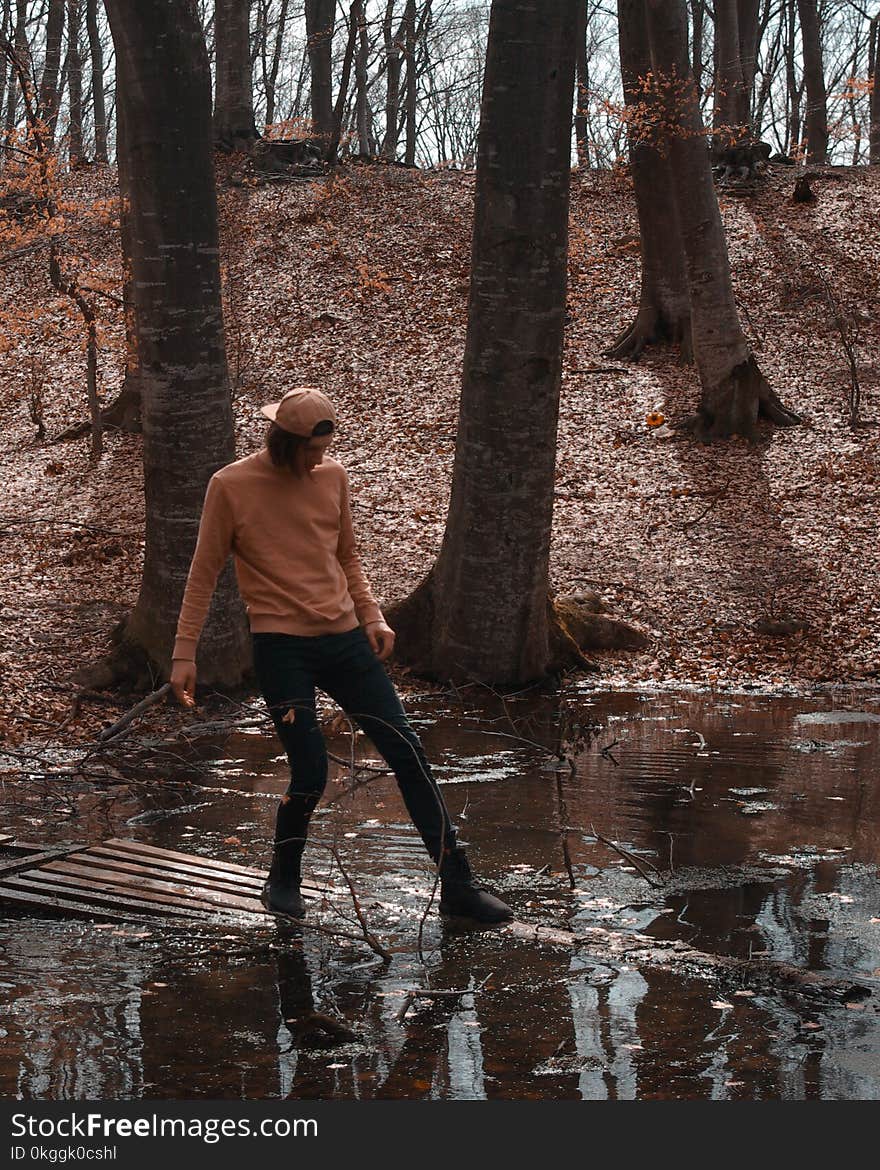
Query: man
x=284, y=513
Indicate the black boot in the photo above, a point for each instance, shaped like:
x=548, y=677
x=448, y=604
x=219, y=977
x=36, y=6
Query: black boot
x=281, y=893
x=461, y=898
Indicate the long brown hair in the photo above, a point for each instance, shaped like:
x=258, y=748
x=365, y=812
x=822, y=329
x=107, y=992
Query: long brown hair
x=283, y=445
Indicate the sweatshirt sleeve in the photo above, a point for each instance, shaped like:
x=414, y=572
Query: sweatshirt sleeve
x=212, y=548
x=365, y=604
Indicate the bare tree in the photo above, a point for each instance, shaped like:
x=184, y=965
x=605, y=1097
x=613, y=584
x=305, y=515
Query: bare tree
x=234, y=127
x=664, y=308
x=22, y=52
x=483, y=611
x=165, y=100
x=393, y=63
x=874, y=90
x=814, y=79
x=270, y=67
x=73, y=69
x=99, y=112
x=49, y=96
x=320, y=21
x=409, y=91
x=734, y=392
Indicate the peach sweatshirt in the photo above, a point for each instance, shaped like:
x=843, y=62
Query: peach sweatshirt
x=295, y=556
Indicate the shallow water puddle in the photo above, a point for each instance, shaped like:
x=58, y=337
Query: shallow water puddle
x=706, y=874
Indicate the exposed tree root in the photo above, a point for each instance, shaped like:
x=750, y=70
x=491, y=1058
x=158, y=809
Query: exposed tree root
x=122, y=414
x=126, y=667
x=414, y=621
x=733, y=407
x=652, y=326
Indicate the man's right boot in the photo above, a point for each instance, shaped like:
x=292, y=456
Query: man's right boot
x=281, y=892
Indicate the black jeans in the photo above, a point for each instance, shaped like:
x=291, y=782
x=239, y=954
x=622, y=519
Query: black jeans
x=344, y=666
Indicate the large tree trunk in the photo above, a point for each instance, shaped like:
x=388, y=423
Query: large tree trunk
x=234, y=127
x=49, y=96
x=874, y=79
x=734, y=390
x=165, y=94
x=320, y=20
x=664, y=306
x=814, y=79
x=483, y=610
x=98, y=105
x=74, y=82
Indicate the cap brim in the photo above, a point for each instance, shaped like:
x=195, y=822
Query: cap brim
x=270, y=410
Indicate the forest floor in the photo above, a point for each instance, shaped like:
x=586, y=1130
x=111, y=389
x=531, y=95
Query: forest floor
x=358, y=282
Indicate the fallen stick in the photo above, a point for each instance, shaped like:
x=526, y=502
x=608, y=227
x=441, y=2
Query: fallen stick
x=120, y=724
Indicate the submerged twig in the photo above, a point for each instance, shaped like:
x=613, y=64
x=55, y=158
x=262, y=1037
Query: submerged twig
x=627, y=856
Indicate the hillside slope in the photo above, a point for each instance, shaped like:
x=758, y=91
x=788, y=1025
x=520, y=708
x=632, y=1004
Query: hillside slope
x=359, y=283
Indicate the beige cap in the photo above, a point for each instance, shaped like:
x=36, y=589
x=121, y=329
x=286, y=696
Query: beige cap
x=300, y=410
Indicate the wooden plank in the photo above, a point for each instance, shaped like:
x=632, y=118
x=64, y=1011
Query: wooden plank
x=207, y=862
x=141, y=901
x=174, y=893
x=4, y=837
x=39, y=846
x=31, y=860
x=21, y=897
x=164, y=865
x=190, y=874
x=39, y=882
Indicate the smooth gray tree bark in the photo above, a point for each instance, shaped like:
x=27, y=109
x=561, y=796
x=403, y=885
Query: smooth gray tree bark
x=483, y=612
x=234, y=127
x=734, y=392
x=664, y=313
x=164, y=93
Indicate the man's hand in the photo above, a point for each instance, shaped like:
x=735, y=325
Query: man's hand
x=183, y=681
x=381, y=638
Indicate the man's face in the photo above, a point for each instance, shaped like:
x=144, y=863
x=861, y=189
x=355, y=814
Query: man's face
x=313, y=452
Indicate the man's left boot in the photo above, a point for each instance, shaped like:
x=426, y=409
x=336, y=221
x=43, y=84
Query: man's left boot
x=460, y=897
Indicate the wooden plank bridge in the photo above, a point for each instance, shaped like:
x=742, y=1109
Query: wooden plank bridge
x=132, y=882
